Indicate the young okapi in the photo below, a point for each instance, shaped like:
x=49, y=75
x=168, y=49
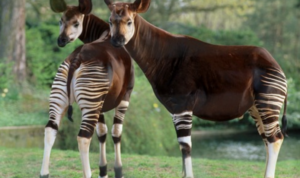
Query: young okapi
x=98, y=77
x=77, y=22
x=213, y=82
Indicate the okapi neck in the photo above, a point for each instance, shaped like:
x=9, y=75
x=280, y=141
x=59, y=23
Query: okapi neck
x=150, y=47
x=93, y=28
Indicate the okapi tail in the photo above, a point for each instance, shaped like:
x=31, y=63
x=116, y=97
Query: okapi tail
x=284, y=120
x=74, y=64
x=70, y=113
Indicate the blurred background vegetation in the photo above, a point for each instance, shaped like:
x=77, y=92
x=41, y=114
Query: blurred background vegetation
x=27, y=72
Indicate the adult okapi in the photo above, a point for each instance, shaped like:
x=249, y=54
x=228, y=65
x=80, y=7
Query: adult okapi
x=97, y=76
x=213, y=82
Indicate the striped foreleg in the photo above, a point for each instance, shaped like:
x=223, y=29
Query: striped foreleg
x=101, y=129
x=58, y=104
x=183, y=126
x=116, y=135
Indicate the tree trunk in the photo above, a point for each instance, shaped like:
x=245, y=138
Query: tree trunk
x=12, y=37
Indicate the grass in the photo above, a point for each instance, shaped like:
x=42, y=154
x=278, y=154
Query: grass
x=15, y=163
x=27, y=111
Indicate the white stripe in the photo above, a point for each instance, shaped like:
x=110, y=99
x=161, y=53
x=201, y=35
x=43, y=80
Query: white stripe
x=182, y=119
x=182, y=126
x=117, y=130
x=182, y=114
x=186, y=139
x=101, y=129
x=124, y=103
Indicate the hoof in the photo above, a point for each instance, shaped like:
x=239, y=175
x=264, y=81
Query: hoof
x=44, y=176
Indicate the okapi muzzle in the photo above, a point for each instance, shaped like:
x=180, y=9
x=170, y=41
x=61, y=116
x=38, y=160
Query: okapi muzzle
x=118, y=41
x=121, y=30
x=63, y=40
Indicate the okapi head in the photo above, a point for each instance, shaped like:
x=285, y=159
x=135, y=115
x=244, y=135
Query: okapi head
x=122, y=18
x=71, y=23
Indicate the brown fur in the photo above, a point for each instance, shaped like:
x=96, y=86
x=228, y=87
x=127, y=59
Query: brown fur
x=215, y=82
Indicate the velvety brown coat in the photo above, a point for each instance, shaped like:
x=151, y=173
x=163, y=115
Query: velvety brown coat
x=213, y=82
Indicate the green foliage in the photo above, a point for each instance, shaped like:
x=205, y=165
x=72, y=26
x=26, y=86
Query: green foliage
x=43, y=54
x=23, y=109
x=293, y=114
x=221, y=37
x=5, y=76
x=277, y=24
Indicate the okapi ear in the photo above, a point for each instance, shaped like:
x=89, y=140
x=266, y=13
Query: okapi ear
x=85, y=6
x=58, y=5
x=140, y=6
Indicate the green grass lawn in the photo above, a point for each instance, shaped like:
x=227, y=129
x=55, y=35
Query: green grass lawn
x=26, y=163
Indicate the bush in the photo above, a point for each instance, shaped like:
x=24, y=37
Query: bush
x=6, y=79
x=220, y=37
x=293, y=114
x=43, y=54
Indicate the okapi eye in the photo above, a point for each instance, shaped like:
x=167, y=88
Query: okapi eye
x=129, y=23
x=76, y=24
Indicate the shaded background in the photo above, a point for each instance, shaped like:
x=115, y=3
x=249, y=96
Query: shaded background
x=29, y=58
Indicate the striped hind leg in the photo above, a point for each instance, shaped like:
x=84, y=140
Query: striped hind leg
x=183, y=126
x=272, y=140
x=58, y=104
x=117, y=129
x=91, y=84
x=101, y=129
x=90, y=117
x=268, y=102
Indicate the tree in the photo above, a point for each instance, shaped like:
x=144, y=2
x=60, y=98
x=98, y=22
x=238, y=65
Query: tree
x=277, y=23
x=12, y=37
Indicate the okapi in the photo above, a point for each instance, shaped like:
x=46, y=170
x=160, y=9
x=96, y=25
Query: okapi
x=75, y=23
x=98, y=77
x=212, y=82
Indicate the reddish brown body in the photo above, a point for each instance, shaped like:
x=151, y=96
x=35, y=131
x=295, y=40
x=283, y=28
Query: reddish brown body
x=191, y=77
x=215, y=82
x=117, y=64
